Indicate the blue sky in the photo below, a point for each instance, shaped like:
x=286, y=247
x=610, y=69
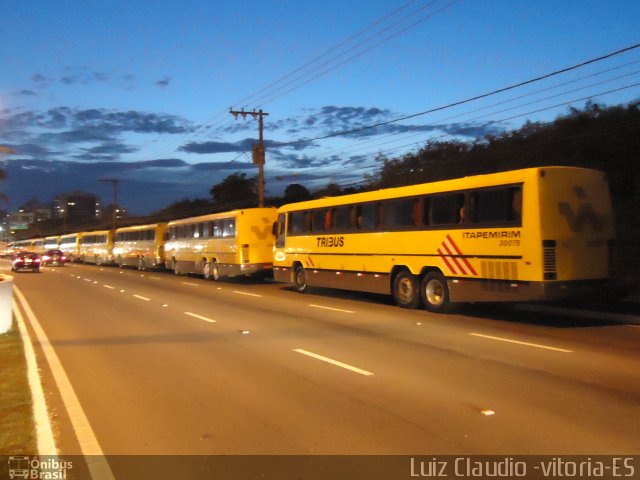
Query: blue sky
x=141, y=90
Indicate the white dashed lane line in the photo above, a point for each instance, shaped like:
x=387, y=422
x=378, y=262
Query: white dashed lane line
x=200, y=317
x=247, y=293
x=334, y=362
x=331, y=308
x=142, y=298
x=526, y=344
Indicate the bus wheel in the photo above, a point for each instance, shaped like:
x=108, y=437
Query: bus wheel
x=405, y=290
x=435, y=293
x=142, y=264
x=206, y=270
x=215, y=271
x=175, y=267
x=300, y=279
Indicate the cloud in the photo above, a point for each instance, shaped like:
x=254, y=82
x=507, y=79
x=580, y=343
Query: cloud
x=27, y=93
x=164, y=82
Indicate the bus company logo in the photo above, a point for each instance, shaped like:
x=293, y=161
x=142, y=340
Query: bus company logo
x=37, y=468
x=585, y=214
x=454, y=259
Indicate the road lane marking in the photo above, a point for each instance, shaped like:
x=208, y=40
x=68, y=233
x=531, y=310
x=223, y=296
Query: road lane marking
x=634, y=326
x=333, y=362
x=247, y=293
x=155, y=278
x=44, y=433
x=109, y=287
x=142, y=298
x=535, y=345
x=97, y=463
x=195, y=315
x=192, y=284
x=331, y=308
x=88, y=280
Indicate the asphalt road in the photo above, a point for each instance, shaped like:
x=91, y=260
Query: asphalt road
x=165, y=364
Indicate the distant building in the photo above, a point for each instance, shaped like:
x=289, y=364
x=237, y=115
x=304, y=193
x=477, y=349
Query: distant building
x=75, y=207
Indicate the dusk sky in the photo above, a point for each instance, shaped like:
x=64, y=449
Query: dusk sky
x=141, y=91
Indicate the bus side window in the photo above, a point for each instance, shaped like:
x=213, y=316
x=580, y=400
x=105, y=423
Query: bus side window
x=279, y=230
x=318, y=223
x=296, y=223
x=366, y=216
x=446, y=209
x=400, y=213
x=340, y=218
x=493, y=206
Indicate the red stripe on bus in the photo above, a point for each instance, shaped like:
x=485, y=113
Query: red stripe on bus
x=464, y=259
x=446, y=261
x=455, y=260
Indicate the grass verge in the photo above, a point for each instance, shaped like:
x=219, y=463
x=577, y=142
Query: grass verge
x=17, y=429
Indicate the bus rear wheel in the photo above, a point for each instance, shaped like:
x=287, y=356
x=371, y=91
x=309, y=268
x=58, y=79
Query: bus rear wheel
x=435, y=293
x=300, y=279
x=215, y=271
x=405, y=290
x=206, y=270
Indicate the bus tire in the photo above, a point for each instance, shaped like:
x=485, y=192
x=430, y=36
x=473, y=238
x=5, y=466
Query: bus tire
x=206, y=270
x=215, y=271
x=175, y=267
x=300, y=279
x=435, y=293
x=405, y=290
x=142, y=264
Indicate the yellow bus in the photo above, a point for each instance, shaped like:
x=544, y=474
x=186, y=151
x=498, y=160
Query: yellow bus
x=22, y=246
x=522, y=235
x=51, y=243
x=69, y=244
x=37, y=246
x=218, y=245
x=140, y=246
x=96, y=247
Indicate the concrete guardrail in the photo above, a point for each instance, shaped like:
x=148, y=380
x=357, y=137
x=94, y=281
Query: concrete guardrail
x=6, y=302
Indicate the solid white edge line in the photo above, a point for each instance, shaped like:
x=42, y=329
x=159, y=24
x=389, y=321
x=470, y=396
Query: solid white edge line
x=189, y=283
x=246, y=293
x=195, y=315
x=44, y=432
x=97, y=464
x=331, y=308
x=333, y=362
x=142, y=298
x=555, y=349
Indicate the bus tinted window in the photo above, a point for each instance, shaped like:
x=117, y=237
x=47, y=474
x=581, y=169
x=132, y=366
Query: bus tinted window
x=229, y=227
x=341, y=218
x=444, y=209
x=366, y=216
x=296, y=223
x=320, y=220
x=400, y=213
x=496, y=205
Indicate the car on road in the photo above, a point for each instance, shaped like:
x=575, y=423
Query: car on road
x=26, y=261
x=54, y=258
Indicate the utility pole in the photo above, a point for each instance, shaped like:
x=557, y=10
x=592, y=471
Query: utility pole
x=258, y=150
x=114, y=182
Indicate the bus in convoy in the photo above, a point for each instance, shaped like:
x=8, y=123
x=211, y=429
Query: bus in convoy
x=69, y=245
x=22, y=246
x=96, y=247
x=51, y=243
x=219, y=245
x=140, y=246
x=524, y=235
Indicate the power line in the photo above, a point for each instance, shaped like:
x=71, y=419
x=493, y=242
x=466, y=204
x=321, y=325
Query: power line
x=468, y=100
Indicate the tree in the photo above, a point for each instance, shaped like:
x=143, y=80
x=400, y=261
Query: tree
x=235, y=191
x=296, y=193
